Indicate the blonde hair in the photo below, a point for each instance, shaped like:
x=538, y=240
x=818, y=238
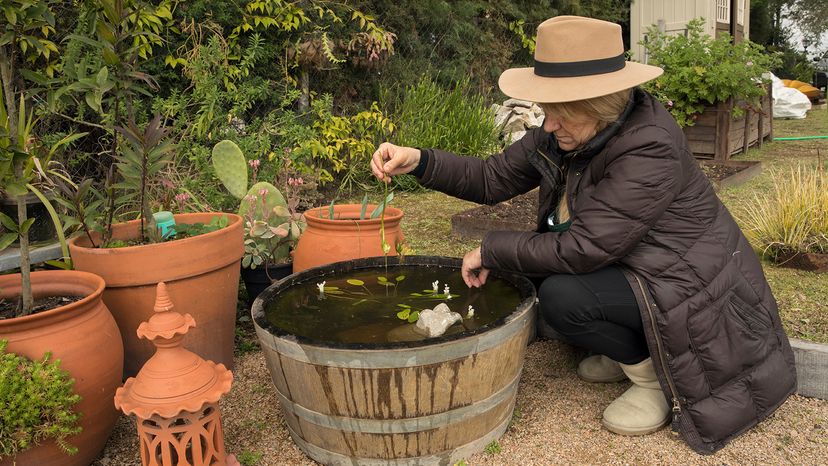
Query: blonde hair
x=605, y=109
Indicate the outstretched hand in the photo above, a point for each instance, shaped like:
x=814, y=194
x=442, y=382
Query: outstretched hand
x=472, y=270
x=390, y=160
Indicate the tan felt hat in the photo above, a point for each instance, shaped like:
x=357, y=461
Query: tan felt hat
x=576, y=58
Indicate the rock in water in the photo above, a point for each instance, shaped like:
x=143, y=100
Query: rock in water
x=434, y=322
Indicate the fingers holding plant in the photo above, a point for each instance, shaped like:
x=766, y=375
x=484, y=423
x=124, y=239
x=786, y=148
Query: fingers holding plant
x=389, y=160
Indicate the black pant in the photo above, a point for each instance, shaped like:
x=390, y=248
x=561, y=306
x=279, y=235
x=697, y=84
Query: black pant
x=597, y=311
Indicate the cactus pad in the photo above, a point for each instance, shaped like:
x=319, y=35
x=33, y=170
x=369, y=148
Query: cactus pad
x=231, y=167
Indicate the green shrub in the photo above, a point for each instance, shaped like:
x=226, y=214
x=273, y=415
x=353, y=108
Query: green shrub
x=700, y=70
x=456, y=120
x=793, y=217
x=36, y=403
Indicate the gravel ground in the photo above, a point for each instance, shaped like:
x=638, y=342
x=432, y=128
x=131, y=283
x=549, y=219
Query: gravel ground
x=557, y=421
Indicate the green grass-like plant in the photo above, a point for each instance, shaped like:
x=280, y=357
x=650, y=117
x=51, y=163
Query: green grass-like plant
x=793, y=217
x=36, y=403
x=457, y=120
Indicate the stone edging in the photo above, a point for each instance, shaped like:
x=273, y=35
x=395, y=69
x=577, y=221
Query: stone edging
x=811, y=368
x=811, y=363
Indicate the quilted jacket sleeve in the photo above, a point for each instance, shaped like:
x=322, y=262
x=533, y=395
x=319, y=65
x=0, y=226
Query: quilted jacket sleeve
x=495, y=179
x=634, y=189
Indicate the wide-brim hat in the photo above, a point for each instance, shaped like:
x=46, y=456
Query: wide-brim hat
x=576, y=58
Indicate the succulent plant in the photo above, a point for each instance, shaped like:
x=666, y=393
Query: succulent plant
x=271, y=227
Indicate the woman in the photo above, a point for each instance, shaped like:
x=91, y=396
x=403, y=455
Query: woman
x=640, y=262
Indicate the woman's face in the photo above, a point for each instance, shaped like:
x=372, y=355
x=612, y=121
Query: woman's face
x=570, y=133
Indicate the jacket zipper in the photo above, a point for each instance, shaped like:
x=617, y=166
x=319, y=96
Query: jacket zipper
x=550, y=161
x=660, y=351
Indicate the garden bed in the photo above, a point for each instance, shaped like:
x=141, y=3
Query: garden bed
x=810, y=261
x=729, y=173
x=519, y=213
x=516, y=214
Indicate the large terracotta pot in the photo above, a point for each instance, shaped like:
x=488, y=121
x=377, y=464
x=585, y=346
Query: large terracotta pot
x=84, y=336
x=202, y=277
x=325, y=241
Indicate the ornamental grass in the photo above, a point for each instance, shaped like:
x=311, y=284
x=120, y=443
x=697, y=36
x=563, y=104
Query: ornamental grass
x=793, y=217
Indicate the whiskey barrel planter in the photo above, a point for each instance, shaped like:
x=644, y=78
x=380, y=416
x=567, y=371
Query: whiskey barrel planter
x=345, y=236
x=201, y=271
x=427, y=402
x=717, y=135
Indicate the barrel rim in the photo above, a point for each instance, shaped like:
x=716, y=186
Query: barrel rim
x=257, y=312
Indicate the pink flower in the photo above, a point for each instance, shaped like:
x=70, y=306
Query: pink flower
x=254, y=164
x=669, y=103
x=182, y=197
x=263, y=192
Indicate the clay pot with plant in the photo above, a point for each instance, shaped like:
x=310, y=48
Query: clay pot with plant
x=340, y=232
x=57, y=313
x=199, y=262
x=272, y=223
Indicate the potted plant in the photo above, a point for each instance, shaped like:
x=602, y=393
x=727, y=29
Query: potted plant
x=200, y=266
x=272, y=223
x=339, y=232
x=713, y=88
x=51, y=311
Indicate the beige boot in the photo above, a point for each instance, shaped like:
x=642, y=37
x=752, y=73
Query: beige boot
x=642, y=408
x=599, y=368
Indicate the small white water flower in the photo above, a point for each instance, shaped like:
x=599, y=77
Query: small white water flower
x=470, y=314
x=321, y=287
x=446, y=290
x=435, y=285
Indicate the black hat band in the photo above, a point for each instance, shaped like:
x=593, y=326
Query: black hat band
x=579, y=68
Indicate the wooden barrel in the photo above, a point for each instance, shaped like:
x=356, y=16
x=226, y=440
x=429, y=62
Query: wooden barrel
x=427, y=402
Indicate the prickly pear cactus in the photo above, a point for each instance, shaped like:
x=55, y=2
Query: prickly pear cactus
x=231, y=167
x=272, y=198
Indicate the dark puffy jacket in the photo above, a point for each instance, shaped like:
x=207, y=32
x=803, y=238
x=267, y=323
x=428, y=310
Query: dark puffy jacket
x=640, y=201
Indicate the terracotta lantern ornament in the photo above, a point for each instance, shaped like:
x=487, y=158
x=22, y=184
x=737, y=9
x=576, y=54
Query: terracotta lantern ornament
x=175, y=395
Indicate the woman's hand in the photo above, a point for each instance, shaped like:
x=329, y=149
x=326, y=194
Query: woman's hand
x=393, y=160
x=473, y=261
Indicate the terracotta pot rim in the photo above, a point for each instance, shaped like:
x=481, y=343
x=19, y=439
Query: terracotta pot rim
x=96, y=282
x=392, y=214
x=234, y=218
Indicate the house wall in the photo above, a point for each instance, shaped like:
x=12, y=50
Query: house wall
x=672, y=17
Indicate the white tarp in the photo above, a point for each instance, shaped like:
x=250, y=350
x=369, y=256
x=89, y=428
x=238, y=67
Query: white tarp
x=788, y=102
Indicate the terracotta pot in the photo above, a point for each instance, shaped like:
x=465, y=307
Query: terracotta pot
x=346, y=236
x=201, y=273
x=256, y=280
x=84, y=336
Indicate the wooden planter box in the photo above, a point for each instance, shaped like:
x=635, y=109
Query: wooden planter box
x=716, y=135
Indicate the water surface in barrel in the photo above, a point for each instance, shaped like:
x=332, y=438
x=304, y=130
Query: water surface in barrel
x=371, y=306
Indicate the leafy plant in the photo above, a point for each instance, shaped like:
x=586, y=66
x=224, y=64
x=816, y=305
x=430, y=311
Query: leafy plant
x=24, y=158
x=492, y=448
x=139, y=163
x=272, y=224
x=36, y=403
x=794, y=217
x=457, y=120
x=700, y=70
x=340, y=143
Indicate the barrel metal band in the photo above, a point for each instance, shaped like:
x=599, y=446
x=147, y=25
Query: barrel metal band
x=445, y=457
x=396, y=358
x=405, y=425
